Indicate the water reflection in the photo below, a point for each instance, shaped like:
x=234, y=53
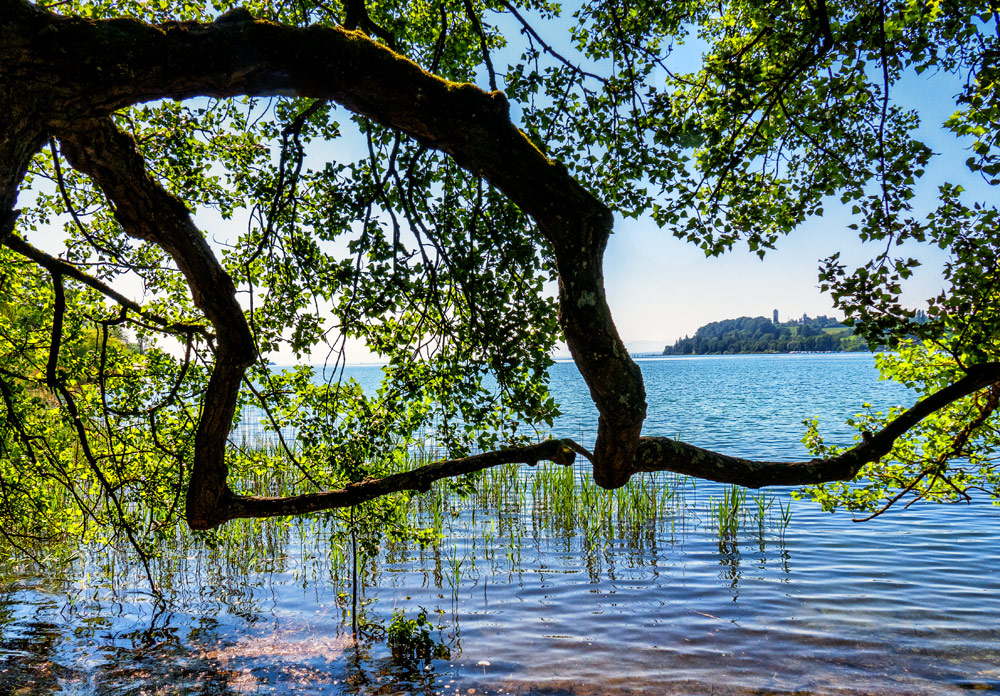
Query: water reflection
x=534, y=592
x=30, y=643
x=729, y=559
x=537, y=613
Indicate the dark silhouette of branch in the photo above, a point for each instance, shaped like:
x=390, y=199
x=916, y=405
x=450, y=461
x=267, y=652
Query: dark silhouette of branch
x=356, y=17
x=470, y=12
x=147, y=211
x=664, y=454
x=57, y=384
x=530, y=30
x=561, y=452
x=53, y=264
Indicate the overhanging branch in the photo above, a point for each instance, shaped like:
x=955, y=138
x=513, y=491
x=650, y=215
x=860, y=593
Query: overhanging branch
x=664, y=454
x=147, y=211
x=561, y=452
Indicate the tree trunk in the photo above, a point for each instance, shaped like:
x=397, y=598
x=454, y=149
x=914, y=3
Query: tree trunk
x=63, y=77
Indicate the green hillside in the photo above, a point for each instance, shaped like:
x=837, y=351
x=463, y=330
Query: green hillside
x=761, y=335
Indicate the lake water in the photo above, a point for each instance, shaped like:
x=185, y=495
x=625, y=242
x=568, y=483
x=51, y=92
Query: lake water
x=532, y=600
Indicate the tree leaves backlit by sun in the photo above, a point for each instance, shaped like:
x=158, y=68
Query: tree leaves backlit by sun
x=187, y=190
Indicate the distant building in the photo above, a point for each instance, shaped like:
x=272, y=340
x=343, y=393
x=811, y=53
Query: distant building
x=775, y=316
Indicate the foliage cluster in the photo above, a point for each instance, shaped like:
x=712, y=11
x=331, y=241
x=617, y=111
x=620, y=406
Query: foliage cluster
x=947, y=457
x=339, y=225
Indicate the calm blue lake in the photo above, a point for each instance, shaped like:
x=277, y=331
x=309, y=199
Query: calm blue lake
x=531, y=600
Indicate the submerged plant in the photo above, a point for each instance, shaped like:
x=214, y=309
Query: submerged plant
x=411, y=639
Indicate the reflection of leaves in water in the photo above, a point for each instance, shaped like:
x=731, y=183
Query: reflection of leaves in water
x=411, y=640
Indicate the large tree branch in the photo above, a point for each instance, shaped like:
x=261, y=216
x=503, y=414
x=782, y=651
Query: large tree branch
x=96, y=67
x=664, y=454
x=92, y=68
x=559, y=451
x=147, y=211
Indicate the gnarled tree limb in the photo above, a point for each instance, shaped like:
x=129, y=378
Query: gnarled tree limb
x=147, y=211
x=64, y=77
x=420, y=479
x=664, y=454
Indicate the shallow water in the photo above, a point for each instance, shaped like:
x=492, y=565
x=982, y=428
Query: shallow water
x=532, y=604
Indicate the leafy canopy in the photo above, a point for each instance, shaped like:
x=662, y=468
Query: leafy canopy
x=727, y=123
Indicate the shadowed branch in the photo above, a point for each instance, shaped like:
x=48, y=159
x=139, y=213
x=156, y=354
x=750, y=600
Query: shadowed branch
x=664, y=454
x=559, y=451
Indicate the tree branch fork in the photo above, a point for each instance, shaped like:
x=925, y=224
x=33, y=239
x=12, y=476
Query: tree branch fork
x=653, y=454
x=58, y=84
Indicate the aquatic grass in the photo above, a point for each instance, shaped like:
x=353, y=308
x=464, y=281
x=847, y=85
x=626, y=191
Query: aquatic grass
x=785, y=511
x=454, y=571
x=761, y=504
x=726, y=512
x=559, y=505
x=731, y=513
x=548, y=501
x=500, y=487
x=552, y=497
x=566, y=501
x=558, y=499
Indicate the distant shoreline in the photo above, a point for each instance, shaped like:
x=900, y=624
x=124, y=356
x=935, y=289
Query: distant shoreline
x=770, y=352
x=661, y=356
x=762, y=336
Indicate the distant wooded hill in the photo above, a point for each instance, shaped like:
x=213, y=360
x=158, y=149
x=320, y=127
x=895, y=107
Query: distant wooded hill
x=761, y=335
